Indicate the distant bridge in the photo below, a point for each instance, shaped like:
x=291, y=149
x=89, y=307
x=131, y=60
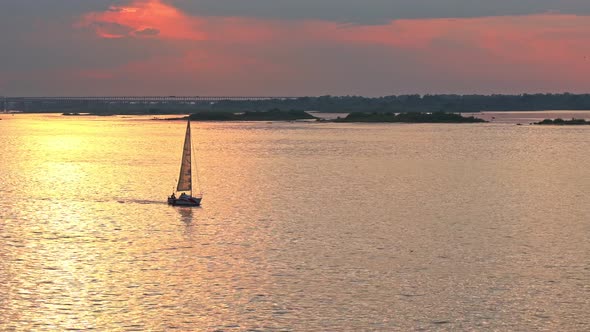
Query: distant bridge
x=141, y=99
x=29, y=103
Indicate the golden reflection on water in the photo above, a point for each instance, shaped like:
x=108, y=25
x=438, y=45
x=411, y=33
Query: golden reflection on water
x=303, y=227
x=104, y=252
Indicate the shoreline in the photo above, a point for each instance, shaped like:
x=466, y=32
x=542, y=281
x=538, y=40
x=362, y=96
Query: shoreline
x=511, y=118
x=355, y=117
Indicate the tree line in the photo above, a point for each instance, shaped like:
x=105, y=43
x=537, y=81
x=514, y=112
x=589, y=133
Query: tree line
x=449, y=103
x=417, y=103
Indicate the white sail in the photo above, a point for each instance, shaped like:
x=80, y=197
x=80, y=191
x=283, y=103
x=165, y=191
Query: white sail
x=185, y=177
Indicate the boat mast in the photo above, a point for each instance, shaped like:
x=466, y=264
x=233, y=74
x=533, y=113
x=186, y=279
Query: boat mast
x=191, y=150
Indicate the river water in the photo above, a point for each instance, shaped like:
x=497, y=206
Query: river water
x=303, y=227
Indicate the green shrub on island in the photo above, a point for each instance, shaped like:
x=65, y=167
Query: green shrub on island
x=562, y=122
x=270, y=115
x=413, y=117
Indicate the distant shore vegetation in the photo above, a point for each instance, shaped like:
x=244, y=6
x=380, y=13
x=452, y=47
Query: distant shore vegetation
x=450, y=103
x=417, y=103
x=415, y=117
x=562, y=122
x=295, y=115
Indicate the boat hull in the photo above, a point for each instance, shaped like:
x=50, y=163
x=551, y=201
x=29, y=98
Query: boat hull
x=185, y=201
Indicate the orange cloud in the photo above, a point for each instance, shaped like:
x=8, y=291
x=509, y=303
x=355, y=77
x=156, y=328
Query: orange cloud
x=511, y=36
x=540, y=39
x=547, y=47
x=534, y=38
x=144, y=18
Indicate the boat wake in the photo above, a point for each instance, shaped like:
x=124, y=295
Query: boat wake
x=140, y=201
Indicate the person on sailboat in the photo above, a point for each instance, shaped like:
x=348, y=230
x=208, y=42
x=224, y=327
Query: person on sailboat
x=173, y=196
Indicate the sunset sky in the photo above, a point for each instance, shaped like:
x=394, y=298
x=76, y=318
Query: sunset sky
x=293, y=48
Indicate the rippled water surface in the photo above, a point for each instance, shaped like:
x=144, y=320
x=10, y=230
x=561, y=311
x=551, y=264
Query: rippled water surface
x=304, y=227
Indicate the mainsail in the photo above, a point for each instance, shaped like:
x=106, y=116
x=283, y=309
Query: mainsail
x=184, y=180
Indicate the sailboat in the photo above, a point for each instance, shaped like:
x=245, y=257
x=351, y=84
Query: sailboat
x=185, y=179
